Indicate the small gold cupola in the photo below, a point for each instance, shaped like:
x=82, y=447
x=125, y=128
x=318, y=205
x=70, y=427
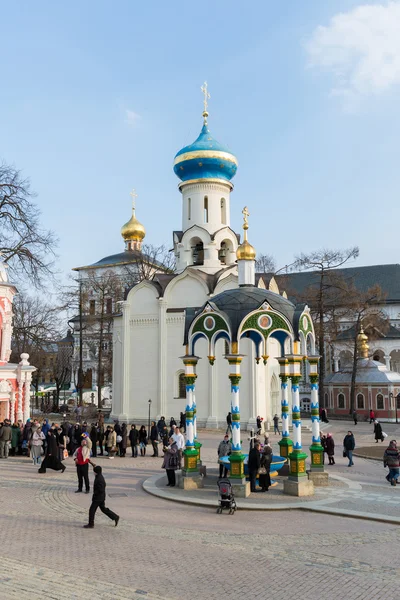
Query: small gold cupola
x=133, y=232
x=246, y=256
x=362, y=344
x=245, y=251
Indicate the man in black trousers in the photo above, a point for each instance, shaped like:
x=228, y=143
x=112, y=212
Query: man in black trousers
x=253, y=464
x=99, y=499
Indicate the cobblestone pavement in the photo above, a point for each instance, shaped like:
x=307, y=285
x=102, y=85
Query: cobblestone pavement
x=164, y=550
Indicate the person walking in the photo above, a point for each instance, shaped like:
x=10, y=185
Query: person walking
x=276, y=424
x=75, y=437
x=134, y=440
x=355, y=417
x=99, y=499
x=253, y=465
x=349, y=444
x=180, y=444
x=330, y=448
x=37, y=441
x=82, y=460
x=160, y=426
x=5, y=439
x=111, y=442
x=371, y=416
x=378, y=432
x=51, y=460
x=264, y=478
x=391, y=459
x=170, y=462
x=142, y=440
x=324, y=416
x=154, y=438
x=224, y=449
x=229, y=422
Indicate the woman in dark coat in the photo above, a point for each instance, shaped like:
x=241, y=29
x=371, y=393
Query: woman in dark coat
x=134, y=440
x=142, y=440
x=378, y=432
x=154, y=438
x=170, y=462
x=330, y=448
x=123, y=444
x=76, y=437
x=52, y=460
x=93, y=438
x=264, y=479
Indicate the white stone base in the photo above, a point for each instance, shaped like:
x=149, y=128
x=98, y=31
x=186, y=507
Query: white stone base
x=302, y=487
x=240, y=490
x=319, y=478
x=190, y=481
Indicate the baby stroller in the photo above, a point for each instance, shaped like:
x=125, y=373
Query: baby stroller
x=226, y=499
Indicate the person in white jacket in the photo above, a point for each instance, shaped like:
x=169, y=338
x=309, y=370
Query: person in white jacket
x=180, y=444
x=37, y=440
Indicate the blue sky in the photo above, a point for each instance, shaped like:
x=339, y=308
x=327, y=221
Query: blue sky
x=97, y=97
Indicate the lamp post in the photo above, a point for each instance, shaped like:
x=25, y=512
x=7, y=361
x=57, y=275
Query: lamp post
x=396, y=403
x=149, y=418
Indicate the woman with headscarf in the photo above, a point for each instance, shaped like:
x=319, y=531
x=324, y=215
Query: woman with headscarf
x=378, y=432
x=264, y=478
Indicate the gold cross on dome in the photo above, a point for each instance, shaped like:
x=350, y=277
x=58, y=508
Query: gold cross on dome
x=133, y=195
x=204, y=89
x=246, y=214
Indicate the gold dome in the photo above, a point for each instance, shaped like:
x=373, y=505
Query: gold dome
x=245, y=251
x=133, y=230
x=362, y=344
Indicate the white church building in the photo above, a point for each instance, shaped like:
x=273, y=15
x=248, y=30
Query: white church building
x=150, y=336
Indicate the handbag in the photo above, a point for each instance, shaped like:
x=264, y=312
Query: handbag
x=262, y=471
x=384, y=435
x=119, y=439
x=65, y=454
x=344, y=453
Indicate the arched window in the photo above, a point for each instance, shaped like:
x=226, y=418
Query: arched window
x=223, y=211
x=182, y=385
x=360, y=401
x=189, y=209
x=326, y=397
x=380, y=402
x=205, y=209
x=341, y=401
x=198, y=254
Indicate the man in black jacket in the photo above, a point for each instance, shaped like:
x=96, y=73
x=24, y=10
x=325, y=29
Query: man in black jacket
x=99, y=499
x=253, y=465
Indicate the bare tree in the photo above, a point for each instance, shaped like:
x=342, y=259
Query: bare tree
x=25, y=246
x=325, y=294
x=63, y=365
x=265, y=263
x=363, y=309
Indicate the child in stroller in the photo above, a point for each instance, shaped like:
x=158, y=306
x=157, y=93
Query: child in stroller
x=226, y=499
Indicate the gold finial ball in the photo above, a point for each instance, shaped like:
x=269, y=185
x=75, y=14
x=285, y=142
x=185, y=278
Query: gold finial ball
x=133, y=230
x=246, y=251
x=362, y=344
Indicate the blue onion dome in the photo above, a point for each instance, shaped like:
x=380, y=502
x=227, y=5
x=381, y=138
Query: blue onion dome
x=205, y=159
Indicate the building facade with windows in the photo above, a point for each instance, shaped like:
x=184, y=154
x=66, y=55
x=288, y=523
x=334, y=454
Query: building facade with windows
x=376, y=386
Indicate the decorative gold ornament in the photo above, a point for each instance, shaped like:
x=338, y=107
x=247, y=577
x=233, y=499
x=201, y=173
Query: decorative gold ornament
x=204, y=89
x=246, y=251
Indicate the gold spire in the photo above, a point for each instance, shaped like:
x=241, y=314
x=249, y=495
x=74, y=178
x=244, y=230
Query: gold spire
x=204, y=89
x=133, y=231
x=245, y=250
x=362, y=344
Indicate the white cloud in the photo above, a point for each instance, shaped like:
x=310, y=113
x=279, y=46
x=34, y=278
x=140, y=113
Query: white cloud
x=131, y=117
x=361, y=48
